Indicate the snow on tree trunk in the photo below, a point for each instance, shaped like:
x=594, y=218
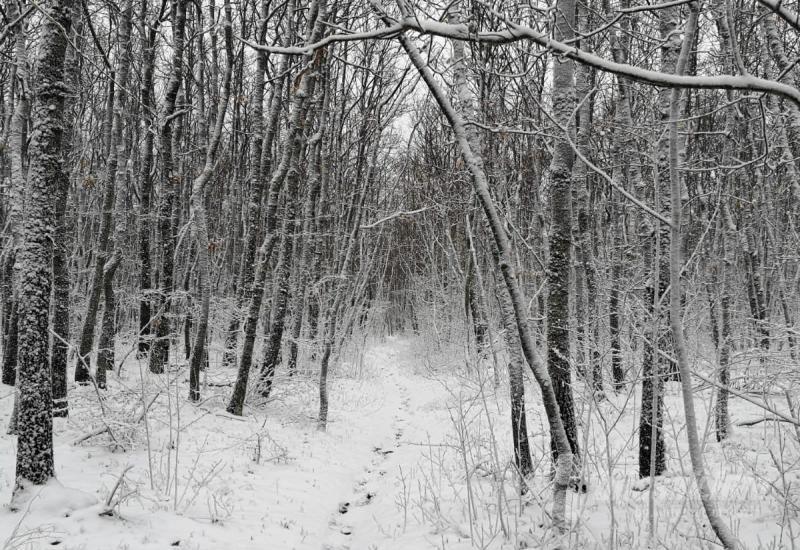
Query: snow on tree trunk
x=159, y=352
x=34, y=419
x=560, y=263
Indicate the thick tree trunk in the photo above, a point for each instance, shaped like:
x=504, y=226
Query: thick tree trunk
x=35, y=401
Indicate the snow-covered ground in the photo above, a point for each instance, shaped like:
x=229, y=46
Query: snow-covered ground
x=417, y=455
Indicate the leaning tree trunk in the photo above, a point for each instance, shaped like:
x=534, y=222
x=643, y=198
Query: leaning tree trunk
x=502, y=256
x=721, y=529
x=34, y=418
x=297, y=115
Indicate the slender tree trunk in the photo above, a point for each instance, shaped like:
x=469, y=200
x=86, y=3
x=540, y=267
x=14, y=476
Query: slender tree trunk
x=62, y=242
x=306, y=241
x=18, y=139
x=261, y=166
x=198, y=215
x=653, y=367
x=519, y=423
x=559, y=265
x=159, y=354
x=291, y=149
x=146, y=183
x=280, y=296
x=721, y=529
x=584, y=241
x=105, y=346
x=116, y=160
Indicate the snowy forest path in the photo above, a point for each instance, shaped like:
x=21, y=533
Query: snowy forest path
x=267, y=479
x=375, y=513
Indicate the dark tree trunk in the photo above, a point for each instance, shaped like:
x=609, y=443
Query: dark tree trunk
x=519, y=423
x=105, y=346
x=112, y=179
x=291, y=150
x=35, y=398
x=146, y=185
x=261, y=165
x=560, y=262
x=11, y=346
x=170, y=180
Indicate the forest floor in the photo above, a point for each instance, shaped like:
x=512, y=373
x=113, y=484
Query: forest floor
x=417, y=455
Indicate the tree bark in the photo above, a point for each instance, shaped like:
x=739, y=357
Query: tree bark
x=146, y=183
x=198, y=216
x=116, y=160
x=170, y=180
x=18, y=137
x=560, y=264
x=34, y=463
x=290, y=150
x=721, y=529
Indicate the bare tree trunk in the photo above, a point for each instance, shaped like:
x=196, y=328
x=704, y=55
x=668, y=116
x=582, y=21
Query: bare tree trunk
x=105, y=346
x=35, y=401
x=18, y=137
x=146, y=182
x=159, y=353
x=297, y=115
x=116, y=160
x=519, y=422
x=260, y=168
x=198, y=216
x=559, y=265
x=651, y=436
x=61, y=243
x=587, y=342
x=721, y=529
x=307, y=241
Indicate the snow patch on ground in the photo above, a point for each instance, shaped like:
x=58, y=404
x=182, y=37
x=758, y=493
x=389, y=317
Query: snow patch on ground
x=417, y=455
